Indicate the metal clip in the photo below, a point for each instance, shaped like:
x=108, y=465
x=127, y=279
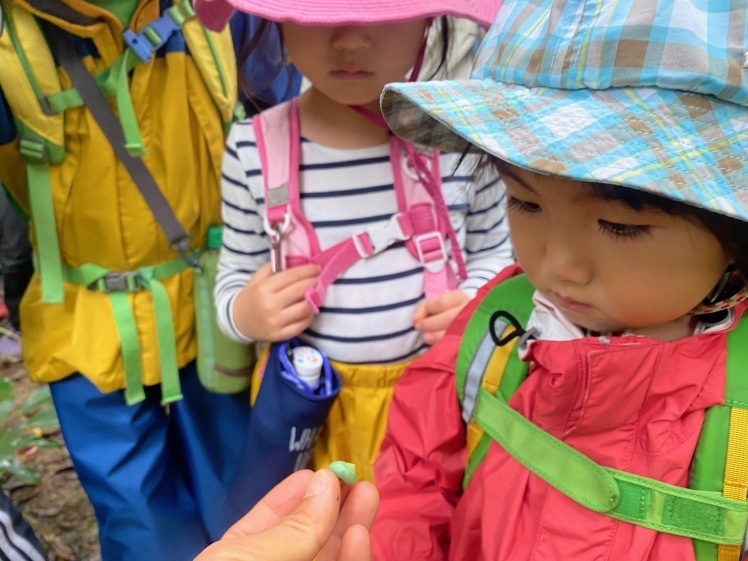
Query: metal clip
x=275, y=234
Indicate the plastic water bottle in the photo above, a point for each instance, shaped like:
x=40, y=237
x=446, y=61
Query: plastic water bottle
x=223, y=365
x=308, y=362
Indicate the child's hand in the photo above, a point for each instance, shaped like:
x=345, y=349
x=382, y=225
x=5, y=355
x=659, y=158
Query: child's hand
x=271, y=306
x=433, y=315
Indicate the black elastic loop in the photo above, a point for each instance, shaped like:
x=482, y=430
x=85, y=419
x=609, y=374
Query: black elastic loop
x=518, y=329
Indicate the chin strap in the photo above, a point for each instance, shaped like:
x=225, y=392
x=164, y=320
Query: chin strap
x=731, y=279
x=725, y=304
x=417, y=163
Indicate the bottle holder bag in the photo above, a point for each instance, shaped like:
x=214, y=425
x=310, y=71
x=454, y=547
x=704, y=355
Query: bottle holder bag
x=285, y=421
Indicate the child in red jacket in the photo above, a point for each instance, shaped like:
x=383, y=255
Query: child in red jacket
x=620, y=131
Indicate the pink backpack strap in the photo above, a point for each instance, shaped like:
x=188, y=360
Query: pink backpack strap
x=431, y=225
x=338, y=258
x=278, y=128
x=417, y=223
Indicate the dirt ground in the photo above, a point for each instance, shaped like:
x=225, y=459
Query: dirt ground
x=57, y=509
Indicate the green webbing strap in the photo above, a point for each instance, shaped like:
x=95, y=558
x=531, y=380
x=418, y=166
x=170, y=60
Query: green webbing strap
x=113, y=81
x=124, y=319
x=120, y=83
x=34, y=153
x=708, y=470
x=66, y=99
x=639, y=500
x=514, y=296
x=167, y=352
x=98, y=278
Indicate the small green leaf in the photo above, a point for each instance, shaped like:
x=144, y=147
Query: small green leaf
x=6, y=389
x=23, y=473
x=30, y=440
x=47, y=443
x=6, y=408
x=44, y=419
x=8, y=441
x=41, y=396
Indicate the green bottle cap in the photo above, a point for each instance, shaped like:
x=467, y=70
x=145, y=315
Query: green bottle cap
x=215, y=234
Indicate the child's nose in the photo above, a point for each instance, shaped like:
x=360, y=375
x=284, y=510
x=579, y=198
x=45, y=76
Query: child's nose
x=566, y=260
x=351, y=37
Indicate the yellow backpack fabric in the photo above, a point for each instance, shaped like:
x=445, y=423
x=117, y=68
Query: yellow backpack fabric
x=183, y=102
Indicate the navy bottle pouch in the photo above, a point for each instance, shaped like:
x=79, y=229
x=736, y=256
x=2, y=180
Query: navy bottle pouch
x=283, y=426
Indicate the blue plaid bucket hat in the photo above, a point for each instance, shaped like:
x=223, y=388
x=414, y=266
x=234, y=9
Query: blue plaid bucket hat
x=648, y=94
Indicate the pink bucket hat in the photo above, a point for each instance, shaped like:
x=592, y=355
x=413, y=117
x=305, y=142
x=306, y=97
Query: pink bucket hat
x=216, y=13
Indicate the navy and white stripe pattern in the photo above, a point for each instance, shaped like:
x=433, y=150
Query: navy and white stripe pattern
x=17, y=540
x=366, y=317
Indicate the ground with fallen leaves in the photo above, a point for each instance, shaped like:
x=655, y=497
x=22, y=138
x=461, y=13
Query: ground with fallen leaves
x=57, y=509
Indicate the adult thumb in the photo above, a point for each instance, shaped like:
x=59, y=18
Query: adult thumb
x=302, y=533
x=312, y=522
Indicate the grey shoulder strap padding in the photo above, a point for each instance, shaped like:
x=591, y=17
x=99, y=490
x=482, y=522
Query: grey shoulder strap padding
x=97, y=104
x=59, y=9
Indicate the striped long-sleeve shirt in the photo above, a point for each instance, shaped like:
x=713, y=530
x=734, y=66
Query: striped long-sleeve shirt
x=367, y=313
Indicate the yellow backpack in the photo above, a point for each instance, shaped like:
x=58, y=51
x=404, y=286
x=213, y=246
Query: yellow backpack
x=38, y=99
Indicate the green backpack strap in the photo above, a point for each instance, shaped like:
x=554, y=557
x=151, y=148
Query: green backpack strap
x=480, y=362
x=696, y=513
x=40, y=135
x=722, y=435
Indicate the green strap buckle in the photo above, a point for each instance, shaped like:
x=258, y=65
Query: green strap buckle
x=34, y=150
x=181, y=12
x=129, y=281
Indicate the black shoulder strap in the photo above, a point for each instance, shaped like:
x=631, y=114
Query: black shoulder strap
x=179, y=240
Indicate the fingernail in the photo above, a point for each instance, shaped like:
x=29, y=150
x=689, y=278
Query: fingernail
x=317, y=485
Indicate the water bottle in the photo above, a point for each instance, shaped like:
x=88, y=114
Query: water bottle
x=307, y=363
x=223, y=365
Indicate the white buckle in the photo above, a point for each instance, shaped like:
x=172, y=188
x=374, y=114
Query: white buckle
x=282, y=229
x=381, y=237
x=435, y=265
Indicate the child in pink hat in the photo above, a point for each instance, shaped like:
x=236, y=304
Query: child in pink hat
x=336, y=232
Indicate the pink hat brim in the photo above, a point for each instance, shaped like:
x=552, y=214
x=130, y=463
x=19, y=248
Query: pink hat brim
x=216, y=13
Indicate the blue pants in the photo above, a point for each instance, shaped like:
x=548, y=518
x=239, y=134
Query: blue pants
x=156, y=478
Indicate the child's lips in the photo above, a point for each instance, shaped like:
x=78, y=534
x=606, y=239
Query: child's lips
x=350, y=74
x=569, y=303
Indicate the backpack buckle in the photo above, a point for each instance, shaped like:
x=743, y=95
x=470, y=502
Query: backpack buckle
x=33, y=150
x=432, y=253
x=377, y=239
x=157, y=33
x=129, y=281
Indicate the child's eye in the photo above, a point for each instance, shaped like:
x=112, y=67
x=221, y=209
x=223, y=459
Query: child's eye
x=523, y=206
x=623, y=230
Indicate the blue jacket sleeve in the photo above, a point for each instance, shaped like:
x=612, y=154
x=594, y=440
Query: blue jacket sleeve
x=272, y=80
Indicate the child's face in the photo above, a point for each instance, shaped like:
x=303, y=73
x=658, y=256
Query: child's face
x=351, y=64
x=606, y=266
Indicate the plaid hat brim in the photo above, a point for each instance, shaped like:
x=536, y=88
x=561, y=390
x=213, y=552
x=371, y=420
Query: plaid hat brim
x=689, y=147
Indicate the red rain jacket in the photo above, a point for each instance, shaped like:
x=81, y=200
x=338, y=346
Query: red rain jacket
x=632, y=403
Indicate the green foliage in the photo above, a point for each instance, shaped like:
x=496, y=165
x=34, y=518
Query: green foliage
x=21, y=428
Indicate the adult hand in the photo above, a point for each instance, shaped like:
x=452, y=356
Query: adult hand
x=433, y=315
x=271, y=306
x=304, y=517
